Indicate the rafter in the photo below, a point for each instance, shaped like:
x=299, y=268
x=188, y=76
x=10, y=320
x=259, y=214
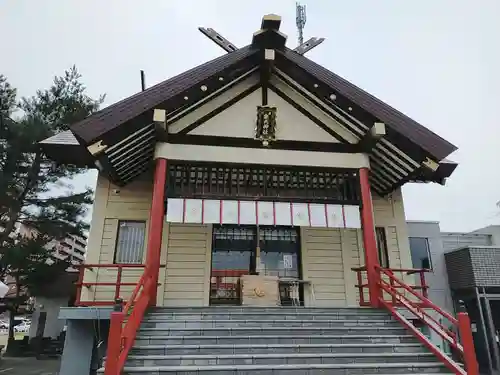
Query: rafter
x=218, y=39
x=309, y=45
x=265, y=72
x=160, y=122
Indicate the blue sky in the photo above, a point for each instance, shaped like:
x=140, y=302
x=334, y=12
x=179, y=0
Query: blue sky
x=434, y=60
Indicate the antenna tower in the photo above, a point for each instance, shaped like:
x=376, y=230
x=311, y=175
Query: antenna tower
x=301, y=21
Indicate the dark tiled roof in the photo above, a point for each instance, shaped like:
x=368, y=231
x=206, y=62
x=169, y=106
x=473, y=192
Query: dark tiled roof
x=116, y=114
x=393, y=118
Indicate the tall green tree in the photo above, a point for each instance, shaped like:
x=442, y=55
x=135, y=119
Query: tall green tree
x=28, y=179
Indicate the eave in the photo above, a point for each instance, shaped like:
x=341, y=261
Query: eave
x=64, y=148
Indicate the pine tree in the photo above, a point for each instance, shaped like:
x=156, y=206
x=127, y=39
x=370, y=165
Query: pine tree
x=28, y=180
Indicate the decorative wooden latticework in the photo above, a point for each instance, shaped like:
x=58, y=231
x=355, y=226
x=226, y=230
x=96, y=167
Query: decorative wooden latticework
x=248, y=182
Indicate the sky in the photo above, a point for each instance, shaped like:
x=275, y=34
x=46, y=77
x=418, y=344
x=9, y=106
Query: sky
x=434, y=60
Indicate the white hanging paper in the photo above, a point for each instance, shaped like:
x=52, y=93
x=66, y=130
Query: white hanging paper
x=283, y=213
x=229, y=212
x=352, y=217
x=335, y=217
x=211, y=211
x=192, y=211
x=287, y=261
x=300, y=215
x=247, y=212
x=318, y=215
x=175, y=210
x=265, y=213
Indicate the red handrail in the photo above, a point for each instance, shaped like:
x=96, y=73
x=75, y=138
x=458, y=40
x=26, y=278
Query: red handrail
x=80, y=284
x=363, y=286
x=140, y=299
x=425, y=302
x=450, y=363
x=462, y=325
x=123, y=324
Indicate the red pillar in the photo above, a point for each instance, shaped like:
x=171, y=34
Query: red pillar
x=369, y=239
x=156, y=220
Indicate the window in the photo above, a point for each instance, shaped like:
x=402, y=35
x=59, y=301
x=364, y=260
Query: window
x=383, y=253
x=130, y=242
x=420, y=254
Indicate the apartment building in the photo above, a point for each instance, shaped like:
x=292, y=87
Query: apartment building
x=72, y=247
x=464, y=266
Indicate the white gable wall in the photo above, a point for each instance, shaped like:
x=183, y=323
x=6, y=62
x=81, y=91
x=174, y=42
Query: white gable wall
x=239, y=119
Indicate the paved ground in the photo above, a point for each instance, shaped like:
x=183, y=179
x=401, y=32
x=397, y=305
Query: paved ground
x=28, y=366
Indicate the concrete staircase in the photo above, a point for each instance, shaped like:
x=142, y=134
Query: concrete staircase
x=276, y=341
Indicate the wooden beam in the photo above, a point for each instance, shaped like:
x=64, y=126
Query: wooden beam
x=220, y=141
x=265, y=73
x=309, y=45
x=430, y=164
x=218, y=39
x=371, y=138
x=271, y=21
x=269, y=38
x=97, y=147
x=160, y=122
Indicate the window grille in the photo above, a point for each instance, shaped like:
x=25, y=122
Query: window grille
x=130, y=242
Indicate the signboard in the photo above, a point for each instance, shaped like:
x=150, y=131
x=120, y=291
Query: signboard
x=287, y=261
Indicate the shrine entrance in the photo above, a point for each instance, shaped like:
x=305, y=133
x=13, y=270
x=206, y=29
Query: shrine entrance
x=242, y=250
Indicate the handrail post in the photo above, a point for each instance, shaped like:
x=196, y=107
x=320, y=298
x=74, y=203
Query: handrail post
x=423, y=283
x=114, y=344
x=360, y=288
x=118, y=282
x=79, y=285
x=393, y=286
x=465, y=330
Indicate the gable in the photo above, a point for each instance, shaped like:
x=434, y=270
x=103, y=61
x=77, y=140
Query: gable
x=297, y=119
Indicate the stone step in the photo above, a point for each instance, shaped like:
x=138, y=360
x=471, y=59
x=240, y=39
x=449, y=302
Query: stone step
x=265, y=316
x=278, y=348
x=273, y=313
x=277, y=359
x=143, y=339
x=251, y=331
x=267, y=323
x=290, y=310
x=301, y=369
